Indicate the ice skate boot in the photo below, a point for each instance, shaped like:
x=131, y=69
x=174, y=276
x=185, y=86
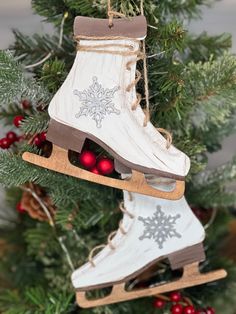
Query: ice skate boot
x=153, y=230
x=92, y=103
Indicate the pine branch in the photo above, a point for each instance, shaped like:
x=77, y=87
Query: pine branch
x=11, y=77
x=53, y=75
x=35, y=123
x=212, y=88
x=202, y=47
x=8, y=114
x=36, y=301
x=36, y=47
x=14, y=85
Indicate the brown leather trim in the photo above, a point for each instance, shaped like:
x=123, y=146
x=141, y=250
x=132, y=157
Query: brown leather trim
x=92, y=27
x=67, y=137
x=189, y=251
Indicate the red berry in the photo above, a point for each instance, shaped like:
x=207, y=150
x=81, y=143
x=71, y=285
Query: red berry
x=5, y=143
x=105, y=166
x=199, y=312
x=19, y=208
x=11, y=136
x=17, y=121
x=209, y=310
x=159, y=303
x=43, y=136
x=95, y=170
x=175, y=296
x=176, y=309
x=37, y=141
x=87, y=159
x=189, y=309
x=25, y=104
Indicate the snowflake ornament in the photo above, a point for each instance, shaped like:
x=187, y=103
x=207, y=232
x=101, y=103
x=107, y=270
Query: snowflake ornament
x=160, y=227
x=96, y=102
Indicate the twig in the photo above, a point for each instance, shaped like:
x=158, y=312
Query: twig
x=44, y=59
x=151, y=26
x=52, y=224
x=212, y=219
x=156, y=54
x=39, y=62
x=64, y=248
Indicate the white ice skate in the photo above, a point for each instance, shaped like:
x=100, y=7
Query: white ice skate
x=152, y=230
x=92, y=103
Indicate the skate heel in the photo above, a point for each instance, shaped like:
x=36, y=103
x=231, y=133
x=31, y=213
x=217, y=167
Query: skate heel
x=65, y=136
x=190, y=255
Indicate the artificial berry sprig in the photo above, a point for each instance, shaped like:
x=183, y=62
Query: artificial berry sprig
x=39, y=139
x=17, y=121
x=8, y=140
x=179, y=304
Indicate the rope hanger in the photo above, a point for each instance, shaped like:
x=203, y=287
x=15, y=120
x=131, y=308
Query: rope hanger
x=111, y=14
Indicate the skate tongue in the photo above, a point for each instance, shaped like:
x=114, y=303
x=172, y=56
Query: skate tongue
x=92, y=27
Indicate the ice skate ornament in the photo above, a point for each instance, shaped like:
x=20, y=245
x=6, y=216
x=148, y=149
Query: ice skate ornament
x=127, y=254
x=97, y=102
x=102, y=54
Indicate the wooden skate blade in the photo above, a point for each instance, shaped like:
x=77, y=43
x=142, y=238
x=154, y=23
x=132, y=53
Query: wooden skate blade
x=59, y=162
x=191, y=277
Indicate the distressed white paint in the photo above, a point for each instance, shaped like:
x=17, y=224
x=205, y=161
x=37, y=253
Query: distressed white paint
x=122, y=130
x=131, y=254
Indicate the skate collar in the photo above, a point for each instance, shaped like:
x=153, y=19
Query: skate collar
x=135, y=27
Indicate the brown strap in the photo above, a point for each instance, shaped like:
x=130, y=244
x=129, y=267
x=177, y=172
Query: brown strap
x=135, y=27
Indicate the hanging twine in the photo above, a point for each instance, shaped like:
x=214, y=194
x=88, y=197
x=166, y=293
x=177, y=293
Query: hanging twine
x=111, y=14
x=145, y=74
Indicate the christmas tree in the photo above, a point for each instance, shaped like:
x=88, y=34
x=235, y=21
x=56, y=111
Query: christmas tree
x=192, y=92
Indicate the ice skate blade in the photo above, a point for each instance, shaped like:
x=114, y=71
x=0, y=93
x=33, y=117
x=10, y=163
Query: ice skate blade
x=191, y=277
x=59, y=162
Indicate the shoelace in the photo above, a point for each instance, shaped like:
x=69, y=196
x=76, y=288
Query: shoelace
x=111, y=235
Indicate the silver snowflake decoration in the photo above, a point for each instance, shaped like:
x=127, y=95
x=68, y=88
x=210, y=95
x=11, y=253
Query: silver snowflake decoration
x=160, y=227
x=97, y=102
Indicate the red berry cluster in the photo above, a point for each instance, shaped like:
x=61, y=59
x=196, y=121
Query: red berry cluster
x=39, y=139
x=180, y=305
x=89, y=160
x=8, y=140
x=11, y=136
